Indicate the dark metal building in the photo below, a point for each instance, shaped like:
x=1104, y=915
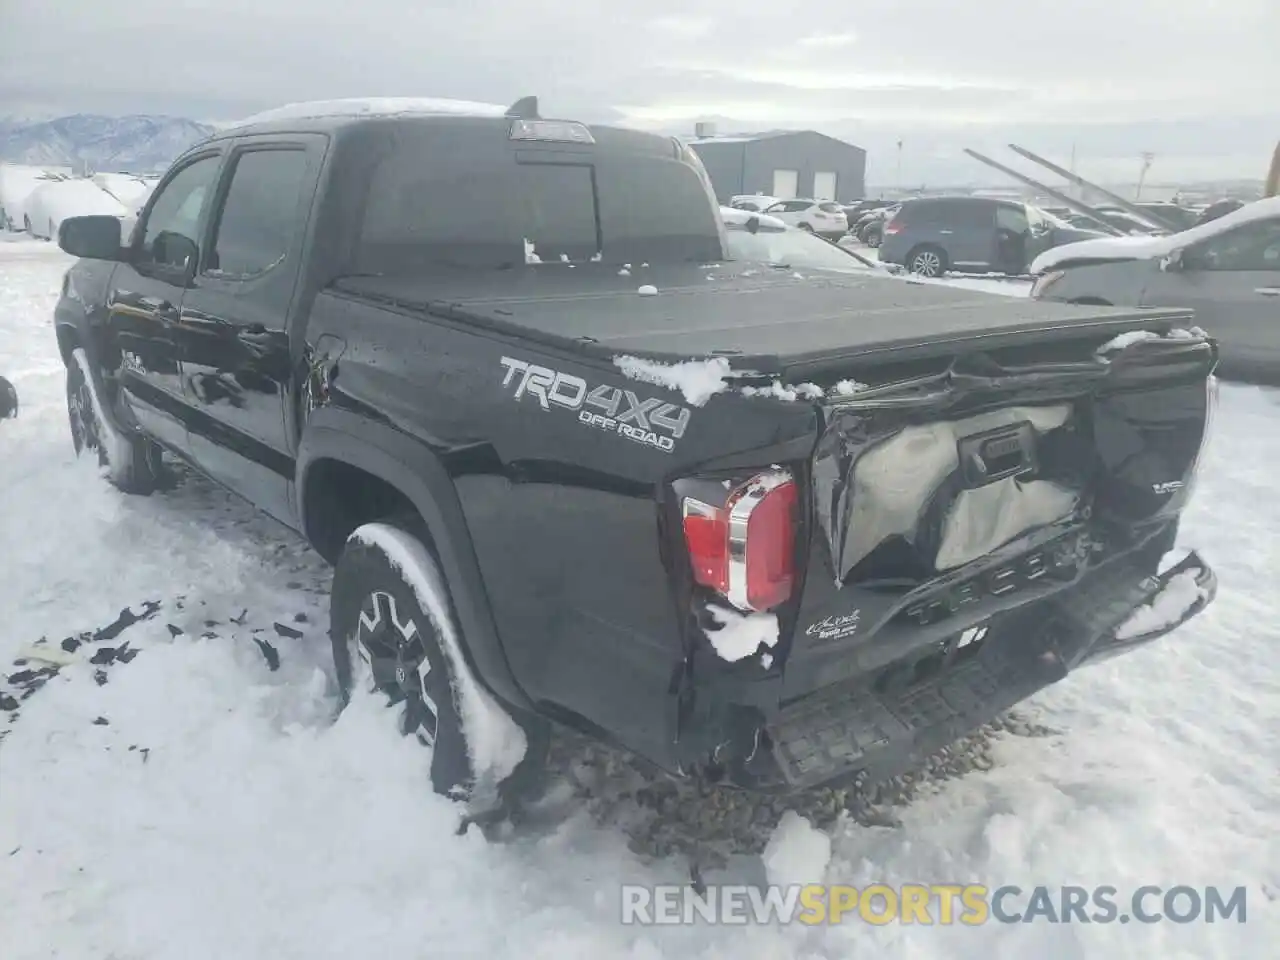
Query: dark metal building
x=783, y=163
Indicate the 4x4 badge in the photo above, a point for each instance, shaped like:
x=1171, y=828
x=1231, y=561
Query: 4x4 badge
x=650, y=420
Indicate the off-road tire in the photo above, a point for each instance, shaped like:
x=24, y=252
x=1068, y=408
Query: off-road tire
x=374, y=608
x=133, y=464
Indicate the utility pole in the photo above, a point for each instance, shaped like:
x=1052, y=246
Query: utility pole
x=1147, y=158
x=898, y=178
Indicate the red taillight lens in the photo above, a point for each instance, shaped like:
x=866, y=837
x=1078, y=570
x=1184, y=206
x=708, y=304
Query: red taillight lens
x=707, y=533
x=744, y=548
x=770, y=553
x=892, y=227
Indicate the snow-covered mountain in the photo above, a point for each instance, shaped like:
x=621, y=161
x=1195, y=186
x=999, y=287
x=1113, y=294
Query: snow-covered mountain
x=136, y=144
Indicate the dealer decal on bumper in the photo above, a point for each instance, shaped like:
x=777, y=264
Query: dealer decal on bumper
x=651, y=421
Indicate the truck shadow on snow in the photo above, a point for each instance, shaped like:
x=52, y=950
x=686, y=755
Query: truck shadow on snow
x=660, y=815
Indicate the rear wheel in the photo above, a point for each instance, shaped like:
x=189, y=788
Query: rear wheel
x=927, y=261
x=134, y=464
x=393, y=635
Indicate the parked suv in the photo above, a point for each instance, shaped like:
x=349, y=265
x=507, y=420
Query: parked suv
x=932, y=235
x=823, y=217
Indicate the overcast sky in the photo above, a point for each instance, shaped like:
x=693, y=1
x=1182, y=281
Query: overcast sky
x=1191, y=80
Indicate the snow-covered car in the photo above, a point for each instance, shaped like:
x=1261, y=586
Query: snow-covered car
x=17, y=184
x=823, y=217
x=131, y=191
x=769, y=240
x=60, y=200
x=1226, y=270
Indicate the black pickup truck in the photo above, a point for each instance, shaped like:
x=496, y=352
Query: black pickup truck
x=574, y=466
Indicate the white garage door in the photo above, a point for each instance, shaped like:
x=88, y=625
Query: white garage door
x=785, y=183
x=824, y=185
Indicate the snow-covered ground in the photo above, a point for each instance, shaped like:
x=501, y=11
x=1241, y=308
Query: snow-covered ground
x=192, y=802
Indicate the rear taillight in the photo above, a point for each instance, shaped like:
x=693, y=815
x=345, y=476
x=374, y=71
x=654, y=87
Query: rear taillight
x=892, y=227
x=743, y=547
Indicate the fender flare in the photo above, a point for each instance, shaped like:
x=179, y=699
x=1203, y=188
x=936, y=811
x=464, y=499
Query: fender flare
x=409, y=466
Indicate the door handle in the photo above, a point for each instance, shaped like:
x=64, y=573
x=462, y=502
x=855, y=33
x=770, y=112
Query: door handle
x=1268, y=291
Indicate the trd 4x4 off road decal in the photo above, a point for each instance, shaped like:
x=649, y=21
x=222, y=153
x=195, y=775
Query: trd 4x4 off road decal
x=650, y=421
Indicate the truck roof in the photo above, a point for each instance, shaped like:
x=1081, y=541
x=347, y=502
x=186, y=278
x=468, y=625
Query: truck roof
x=325, y=116
x=768, y=321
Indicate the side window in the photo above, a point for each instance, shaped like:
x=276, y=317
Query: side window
x=911, y=214
x=796, y=206
x=172, y=230
x=1252, y=246
x=259, y=217
x=1013, y=219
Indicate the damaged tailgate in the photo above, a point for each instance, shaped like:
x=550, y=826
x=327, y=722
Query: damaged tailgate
x=941, y=505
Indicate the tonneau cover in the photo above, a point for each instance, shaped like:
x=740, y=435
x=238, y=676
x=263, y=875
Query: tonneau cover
x=767, y=319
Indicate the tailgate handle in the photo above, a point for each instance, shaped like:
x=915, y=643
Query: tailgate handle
x=995, y=454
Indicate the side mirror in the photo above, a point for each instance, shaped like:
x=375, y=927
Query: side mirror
x=94, y=237
x=175, y=251
x=753, y=225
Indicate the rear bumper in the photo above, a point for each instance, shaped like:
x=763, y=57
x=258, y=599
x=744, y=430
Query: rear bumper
x=860, y=730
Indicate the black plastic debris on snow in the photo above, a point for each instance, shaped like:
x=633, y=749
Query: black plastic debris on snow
x=289, y=632
x=25, y=682
x=112, y=630
x=105, y=656
x=271, y=654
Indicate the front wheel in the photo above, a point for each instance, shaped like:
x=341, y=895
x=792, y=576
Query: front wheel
x=393, y=635
x=133, y=464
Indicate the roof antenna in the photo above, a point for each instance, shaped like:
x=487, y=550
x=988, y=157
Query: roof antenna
x=525, y=108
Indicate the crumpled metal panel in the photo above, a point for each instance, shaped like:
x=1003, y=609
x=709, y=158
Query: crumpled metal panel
x=876, y=483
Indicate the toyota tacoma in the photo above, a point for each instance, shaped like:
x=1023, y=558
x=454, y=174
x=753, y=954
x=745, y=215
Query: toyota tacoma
x=574, y=466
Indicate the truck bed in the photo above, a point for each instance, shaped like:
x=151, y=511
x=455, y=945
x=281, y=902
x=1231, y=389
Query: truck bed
x=767, y=319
